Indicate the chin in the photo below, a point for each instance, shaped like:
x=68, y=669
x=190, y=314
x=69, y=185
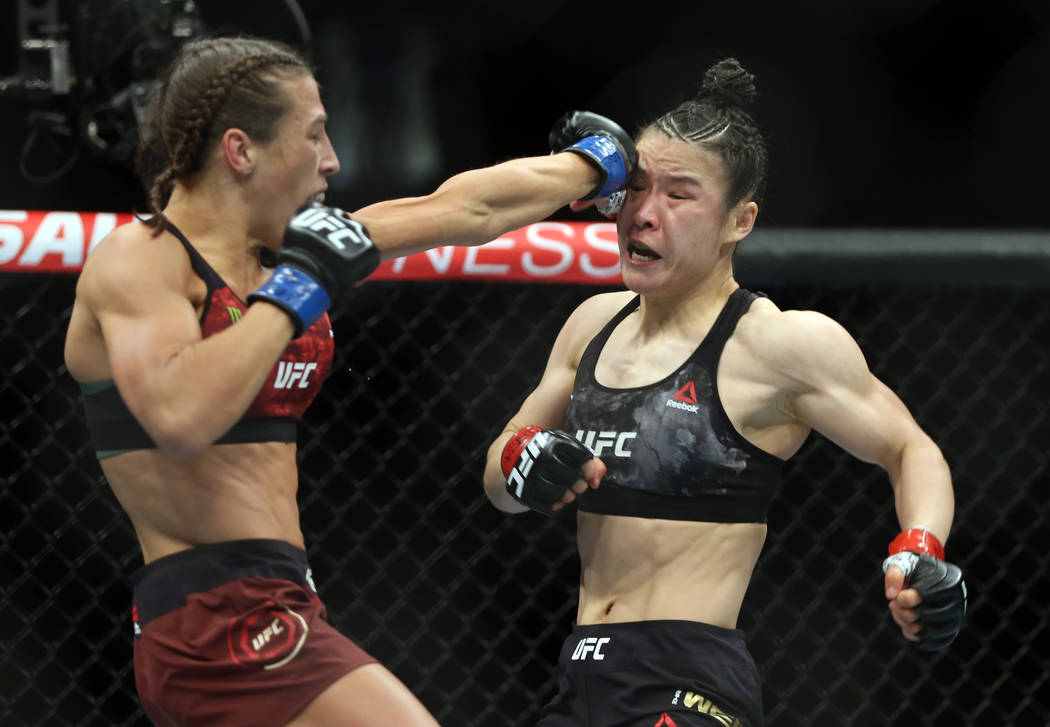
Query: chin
x=641, y=279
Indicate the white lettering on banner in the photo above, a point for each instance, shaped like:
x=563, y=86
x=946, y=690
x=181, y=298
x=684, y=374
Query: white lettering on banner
x=61, y=233
x=472, y=267
x=592, y=235
x=441, y=258
x=105, y=223
x=533, y=234
x=11, y=236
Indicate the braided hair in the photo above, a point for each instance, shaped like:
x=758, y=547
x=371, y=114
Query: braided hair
x=212, y=85
x=716, y=119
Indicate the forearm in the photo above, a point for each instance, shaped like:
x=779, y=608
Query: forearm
x=922, y=487
x=205, y=388
x=478, y=206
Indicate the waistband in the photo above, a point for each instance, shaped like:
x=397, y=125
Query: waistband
x=162, y=586
x=616, y=646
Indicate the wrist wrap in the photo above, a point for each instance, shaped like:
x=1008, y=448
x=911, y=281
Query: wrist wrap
x=297, y=294
x=606, y=157
x=917, y=540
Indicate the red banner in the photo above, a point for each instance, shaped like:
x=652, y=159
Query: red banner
x=555, y=252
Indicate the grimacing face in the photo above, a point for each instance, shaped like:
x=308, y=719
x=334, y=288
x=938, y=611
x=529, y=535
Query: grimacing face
x=673, y=227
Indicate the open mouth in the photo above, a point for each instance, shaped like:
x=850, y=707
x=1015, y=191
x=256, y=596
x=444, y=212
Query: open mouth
x=639, y=253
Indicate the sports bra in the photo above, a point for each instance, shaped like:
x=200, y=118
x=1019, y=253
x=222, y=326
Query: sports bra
x=670, y=449
x=291, y=386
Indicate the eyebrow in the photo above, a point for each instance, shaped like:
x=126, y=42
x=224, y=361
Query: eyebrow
x=684, y=179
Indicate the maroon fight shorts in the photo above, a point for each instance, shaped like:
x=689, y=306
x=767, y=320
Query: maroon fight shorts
x=234, y=634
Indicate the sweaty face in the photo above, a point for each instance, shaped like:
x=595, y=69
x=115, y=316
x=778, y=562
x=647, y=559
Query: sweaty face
x=673, y=225
x=296, y=164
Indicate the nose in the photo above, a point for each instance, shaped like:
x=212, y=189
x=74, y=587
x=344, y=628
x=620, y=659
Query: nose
x=329, y=159
x=645, y=211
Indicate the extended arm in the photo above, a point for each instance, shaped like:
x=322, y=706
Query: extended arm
x=478, y=206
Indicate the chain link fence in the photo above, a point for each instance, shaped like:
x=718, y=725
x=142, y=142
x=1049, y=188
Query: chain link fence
x=469, y=606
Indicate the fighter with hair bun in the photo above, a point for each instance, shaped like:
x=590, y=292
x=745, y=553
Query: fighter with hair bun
x=666, y=413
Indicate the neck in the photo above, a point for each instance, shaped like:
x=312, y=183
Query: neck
x=214, y=220
x=698, y=302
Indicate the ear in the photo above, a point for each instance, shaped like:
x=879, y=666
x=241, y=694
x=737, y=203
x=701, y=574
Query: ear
x=238, y=151
x=742, y=220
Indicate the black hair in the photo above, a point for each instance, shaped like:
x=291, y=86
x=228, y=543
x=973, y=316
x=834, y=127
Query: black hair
x=717, y=120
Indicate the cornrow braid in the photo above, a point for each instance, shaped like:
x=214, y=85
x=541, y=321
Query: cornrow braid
x=215, y=83
x=717, y=120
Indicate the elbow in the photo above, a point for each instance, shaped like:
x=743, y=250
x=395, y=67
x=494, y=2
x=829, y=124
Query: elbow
x=179, y=437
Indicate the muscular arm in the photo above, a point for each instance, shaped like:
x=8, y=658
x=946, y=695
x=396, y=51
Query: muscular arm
x=185, y=391
x=834, y=393
x=546, y=406
x=478, y=206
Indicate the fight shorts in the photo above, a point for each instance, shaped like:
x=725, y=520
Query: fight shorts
x=233, y=634
x=655, y=674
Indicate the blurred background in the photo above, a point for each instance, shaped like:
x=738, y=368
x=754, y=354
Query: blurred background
x=878, y=112
x=906, y=199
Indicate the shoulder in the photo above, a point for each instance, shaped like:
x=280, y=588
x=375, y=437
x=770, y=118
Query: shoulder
x=587, y=320
x=592, y=314
x=800, y=345
x=130, y=260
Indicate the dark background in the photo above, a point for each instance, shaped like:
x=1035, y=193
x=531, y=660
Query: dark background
x=879, y=113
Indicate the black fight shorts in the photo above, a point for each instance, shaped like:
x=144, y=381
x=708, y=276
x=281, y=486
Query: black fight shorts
x=233, y=634
x=655, y=674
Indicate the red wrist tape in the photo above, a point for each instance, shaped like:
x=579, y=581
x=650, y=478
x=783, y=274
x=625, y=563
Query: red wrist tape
x=512, y=449
x=916, y=540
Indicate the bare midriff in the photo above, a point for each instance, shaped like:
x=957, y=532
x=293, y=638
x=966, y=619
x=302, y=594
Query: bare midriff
x=227, y=492
x=639, y=569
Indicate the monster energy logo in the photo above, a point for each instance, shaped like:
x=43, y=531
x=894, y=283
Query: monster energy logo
x=235, y=313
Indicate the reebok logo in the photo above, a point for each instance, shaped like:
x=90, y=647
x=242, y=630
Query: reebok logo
x=685, y=399
x=288, y=373
x=592, y=645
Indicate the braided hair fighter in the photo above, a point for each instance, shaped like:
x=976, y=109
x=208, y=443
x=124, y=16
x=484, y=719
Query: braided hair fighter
x=197, y=356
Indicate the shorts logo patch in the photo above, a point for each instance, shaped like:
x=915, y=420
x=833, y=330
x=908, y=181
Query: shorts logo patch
x=665, y=721
x=268, y=637
x=590, y=647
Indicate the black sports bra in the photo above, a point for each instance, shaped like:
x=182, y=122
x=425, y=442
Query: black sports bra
x=670, y=448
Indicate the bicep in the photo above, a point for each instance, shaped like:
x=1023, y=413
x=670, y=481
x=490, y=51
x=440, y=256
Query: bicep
x=146, y=320
x=839, y=397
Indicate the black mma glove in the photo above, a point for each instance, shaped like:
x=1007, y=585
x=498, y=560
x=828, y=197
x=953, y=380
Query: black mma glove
x=324, y=254
x=921, y=557
x=602, y=142
x=540, y=465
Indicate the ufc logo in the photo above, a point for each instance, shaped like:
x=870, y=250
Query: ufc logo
x=337, y=227
x=598, y=442
x=590, y=645
x=288, y=373
x=516, y=478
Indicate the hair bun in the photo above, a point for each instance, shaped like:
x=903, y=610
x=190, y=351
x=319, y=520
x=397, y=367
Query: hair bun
x=727, y=83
